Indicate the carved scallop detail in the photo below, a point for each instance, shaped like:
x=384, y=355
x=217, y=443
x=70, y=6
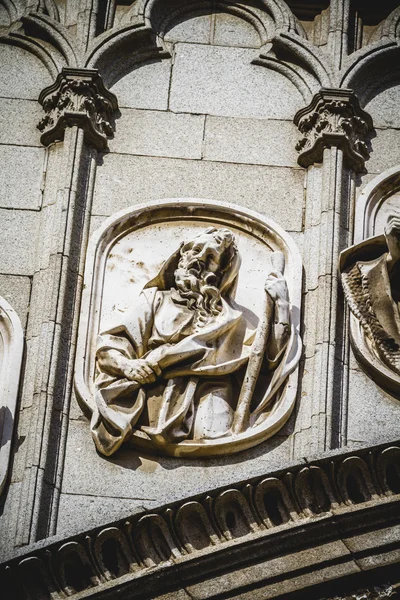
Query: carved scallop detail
x=73, y=569
x=314, y=491
x=194, y=528
x=273, y=502
x=112, y=553
x=153, y=541
x=388, y=470
x=354, y=481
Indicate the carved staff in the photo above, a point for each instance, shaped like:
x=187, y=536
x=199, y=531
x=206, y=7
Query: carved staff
x=257, y=353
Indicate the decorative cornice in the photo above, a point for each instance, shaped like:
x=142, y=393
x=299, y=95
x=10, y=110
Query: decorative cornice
x=333, y=118
x=78, y=97
x=286, y=512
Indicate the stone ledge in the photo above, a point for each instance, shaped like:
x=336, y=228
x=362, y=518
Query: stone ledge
x=314, y=522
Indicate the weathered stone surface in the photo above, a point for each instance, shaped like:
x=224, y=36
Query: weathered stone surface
x=22, y=75
x=145, y=87
x=18, y=119
x=126, y=180
x=384, y=107
x=225, y=83
x=252, y=141
x=157, y=133
x=17, y=251
x=16, y=290
x=147, y=480
x=385, y=150
x=196, y=29
x=21, y=177
x=78, y=513
x=372, y=414
x=230, y=30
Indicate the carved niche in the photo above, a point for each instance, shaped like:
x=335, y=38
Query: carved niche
x=370, y=273
x=11, y=349
x=188, y=341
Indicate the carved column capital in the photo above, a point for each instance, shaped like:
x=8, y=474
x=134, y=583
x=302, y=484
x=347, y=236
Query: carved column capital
x=77, y=97
x=333, y=118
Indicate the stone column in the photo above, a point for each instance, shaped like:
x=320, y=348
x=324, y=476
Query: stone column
x=77, y=123
x=333, y=148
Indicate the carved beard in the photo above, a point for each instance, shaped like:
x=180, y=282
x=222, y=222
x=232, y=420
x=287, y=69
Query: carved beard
x=195, y=286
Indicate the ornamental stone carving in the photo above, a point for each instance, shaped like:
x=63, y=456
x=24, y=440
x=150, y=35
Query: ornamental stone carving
x=11, y=349
x=333, y=118
x=190, y=329
x=78, y=97
x=384, y=591
x=370, y=276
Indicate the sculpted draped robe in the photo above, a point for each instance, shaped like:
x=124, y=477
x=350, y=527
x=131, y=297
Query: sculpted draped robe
x=368, y=292
x=201, y=364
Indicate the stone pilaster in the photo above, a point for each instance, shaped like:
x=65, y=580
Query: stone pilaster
x=334, y=133
x=78, y=121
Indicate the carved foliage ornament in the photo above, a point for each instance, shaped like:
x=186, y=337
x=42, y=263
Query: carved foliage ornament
x=189, y=329
x=370, y=277
x=78, y=97
x=333, y=118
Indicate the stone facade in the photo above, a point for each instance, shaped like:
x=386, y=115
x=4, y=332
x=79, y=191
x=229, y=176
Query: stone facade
x=288, y=110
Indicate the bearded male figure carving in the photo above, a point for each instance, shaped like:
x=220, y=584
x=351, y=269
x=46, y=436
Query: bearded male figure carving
x=371, y=282
x=174, y=368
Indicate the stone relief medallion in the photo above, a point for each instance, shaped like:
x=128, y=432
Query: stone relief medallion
x=189, y=334
x=370, y=273
x=11, y=350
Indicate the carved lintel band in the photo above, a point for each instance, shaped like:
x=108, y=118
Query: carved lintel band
x=333, y=118
x=78, y=97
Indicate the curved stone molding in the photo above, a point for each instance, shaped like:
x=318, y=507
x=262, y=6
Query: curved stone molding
x=370, y=203
x=78, y=97
x=11, y=349
x=323, y=501
x=333, y=118
x=240, y=386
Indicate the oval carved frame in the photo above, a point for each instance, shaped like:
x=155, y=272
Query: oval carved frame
x=169, y=211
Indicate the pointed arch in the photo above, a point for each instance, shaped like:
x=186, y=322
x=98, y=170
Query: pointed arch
x=367, y=69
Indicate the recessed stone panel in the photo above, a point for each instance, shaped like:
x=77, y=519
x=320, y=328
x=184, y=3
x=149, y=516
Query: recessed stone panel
x=126, y=180
x=18, y=121
x=18, y=247
x=22, y=75
x=146, y=86
x=157, y=133
x=222, y=81
x=252, y=141
x=21, y=175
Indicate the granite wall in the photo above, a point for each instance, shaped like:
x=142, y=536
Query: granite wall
x=207, y=95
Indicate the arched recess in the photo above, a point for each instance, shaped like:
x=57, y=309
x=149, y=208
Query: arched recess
x=379, y=197
x=11, y=349
x=142, y=34
x=370, y=68
x=277, y=9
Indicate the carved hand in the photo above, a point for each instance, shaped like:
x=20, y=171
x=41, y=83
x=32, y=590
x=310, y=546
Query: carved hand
x=276, y=287
x=142, y=371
